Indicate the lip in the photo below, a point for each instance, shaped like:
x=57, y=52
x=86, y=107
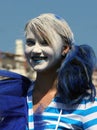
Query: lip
x=38, y=59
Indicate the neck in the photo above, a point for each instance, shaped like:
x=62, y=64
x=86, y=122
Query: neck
x=45, y=88
x=46, y=81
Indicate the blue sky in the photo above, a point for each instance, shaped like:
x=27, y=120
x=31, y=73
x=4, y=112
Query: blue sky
x=80, y=14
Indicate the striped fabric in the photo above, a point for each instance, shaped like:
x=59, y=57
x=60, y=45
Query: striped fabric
x=58, y=116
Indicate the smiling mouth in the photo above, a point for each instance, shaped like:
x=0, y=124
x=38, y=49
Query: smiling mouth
x=38, y=58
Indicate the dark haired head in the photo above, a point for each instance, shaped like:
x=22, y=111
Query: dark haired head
x=75, y=74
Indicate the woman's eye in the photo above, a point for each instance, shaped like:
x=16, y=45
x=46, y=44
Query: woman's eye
x=44, y=43
x=30, y=43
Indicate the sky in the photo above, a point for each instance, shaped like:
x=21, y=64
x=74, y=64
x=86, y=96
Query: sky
x=81, y=15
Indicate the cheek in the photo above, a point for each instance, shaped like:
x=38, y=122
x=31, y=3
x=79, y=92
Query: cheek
x=27, y=50
x=57, y=48
x=57, y=51
x=53, y=53
x=48, y=51
x=57, y=55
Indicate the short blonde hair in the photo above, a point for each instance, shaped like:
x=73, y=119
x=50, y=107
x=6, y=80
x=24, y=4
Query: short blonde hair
x=45, y=24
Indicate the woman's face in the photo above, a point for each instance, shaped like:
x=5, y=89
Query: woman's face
x=40, y=55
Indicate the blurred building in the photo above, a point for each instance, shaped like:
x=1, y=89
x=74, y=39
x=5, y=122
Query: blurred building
x=16, y=62
x=94, y=78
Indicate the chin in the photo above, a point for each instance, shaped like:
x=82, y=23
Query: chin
x=39, y=69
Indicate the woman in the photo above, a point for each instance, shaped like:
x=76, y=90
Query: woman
x=62, y=96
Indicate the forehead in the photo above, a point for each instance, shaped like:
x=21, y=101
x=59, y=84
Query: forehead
x=41, y=33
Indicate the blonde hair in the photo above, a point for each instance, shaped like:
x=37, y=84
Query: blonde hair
x=45, y=25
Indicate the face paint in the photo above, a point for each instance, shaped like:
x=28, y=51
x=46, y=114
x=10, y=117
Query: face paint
x=40, y=54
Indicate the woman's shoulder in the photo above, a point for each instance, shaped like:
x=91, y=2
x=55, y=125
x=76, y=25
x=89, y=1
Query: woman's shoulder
x=87, y=104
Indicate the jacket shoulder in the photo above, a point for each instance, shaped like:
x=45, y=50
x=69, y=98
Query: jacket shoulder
x=13, y=84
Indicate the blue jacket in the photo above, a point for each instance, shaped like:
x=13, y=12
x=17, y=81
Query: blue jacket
x=13, y=103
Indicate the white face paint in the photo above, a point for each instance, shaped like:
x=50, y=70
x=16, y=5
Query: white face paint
x=40, y=54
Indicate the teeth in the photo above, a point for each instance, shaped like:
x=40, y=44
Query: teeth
x=38, y=58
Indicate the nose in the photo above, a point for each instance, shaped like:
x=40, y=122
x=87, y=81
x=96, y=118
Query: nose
x=36, y=50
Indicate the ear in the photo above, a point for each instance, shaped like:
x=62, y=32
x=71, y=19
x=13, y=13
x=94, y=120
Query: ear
x=65, y=50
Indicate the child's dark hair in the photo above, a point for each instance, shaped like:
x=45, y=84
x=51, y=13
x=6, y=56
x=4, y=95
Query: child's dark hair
x=75, y=75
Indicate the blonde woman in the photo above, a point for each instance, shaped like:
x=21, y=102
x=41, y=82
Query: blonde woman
x=62, y=96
